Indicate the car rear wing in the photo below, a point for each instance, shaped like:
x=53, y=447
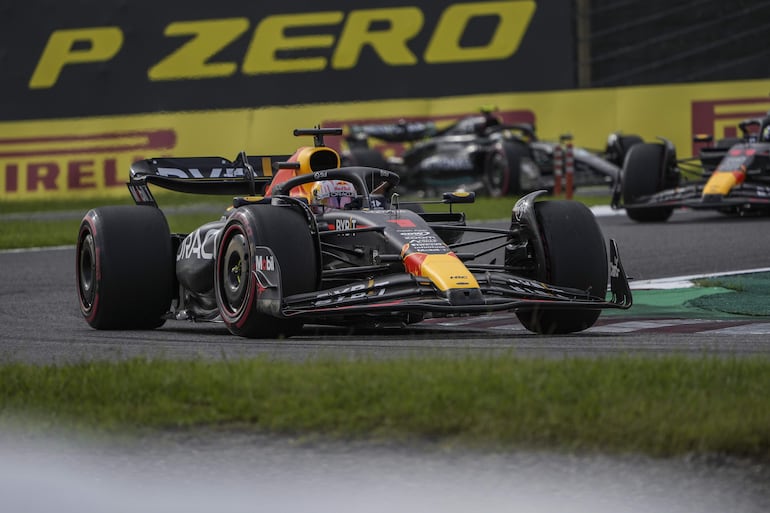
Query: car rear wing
x=393, y=132
x=405, y=132
x=246, y=175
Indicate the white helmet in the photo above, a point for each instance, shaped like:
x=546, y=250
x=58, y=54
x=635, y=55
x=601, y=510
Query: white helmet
x=333, y=193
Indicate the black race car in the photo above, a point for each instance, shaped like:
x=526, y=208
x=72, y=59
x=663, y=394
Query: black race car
x=480, y=153
x=731, y=176
x=280, y=258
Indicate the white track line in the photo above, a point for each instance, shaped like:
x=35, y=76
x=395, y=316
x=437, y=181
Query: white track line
x=30, y=250
x=683, y=282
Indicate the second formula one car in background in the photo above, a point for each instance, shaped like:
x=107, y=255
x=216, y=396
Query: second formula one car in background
x=731, y=176
x=479, y=153
x=316, y=243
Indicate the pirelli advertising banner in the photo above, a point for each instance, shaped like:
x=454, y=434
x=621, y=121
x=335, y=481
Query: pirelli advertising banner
x=90, y=156
x=102, y=57
x=88, y=87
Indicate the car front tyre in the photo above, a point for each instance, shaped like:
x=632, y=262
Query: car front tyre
x=575, y=257
x=283, y=230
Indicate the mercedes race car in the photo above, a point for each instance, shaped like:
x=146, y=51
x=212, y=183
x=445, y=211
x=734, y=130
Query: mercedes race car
x=482, y=154
x=306, y=241
x=731, y=176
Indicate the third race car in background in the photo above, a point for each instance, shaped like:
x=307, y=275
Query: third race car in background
x=731, y=176
x=479, y=153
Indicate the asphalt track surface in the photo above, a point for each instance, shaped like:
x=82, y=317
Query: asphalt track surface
x=40, y=322
x=238, y=472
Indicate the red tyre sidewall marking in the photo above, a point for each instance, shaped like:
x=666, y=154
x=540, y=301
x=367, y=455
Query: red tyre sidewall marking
x=242, y=314
x=89, y=314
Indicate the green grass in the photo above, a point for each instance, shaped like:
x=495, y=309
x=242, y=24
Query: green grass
x=54, y=232
x=164, y=198
x=16, y=232
x=60, y=225
x=664, y=406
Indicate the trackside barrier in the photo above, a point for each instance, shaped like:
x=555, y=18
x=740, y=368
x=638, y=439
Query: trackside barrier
x=558, y=168
x=564, y=166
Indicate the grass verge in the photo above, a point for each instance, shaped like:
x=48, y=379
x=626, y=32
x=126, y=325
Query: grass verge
x=61, y=232
x=663, y=406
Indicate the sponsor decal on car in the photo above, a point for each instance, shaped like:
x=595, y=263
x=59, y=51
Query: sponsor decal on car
x=217, y=172
x=403, y=223
x=195, y=245
x=446, y=163
x=348, y=294
x=264, y=262
x=345, y=224
x=423, y=241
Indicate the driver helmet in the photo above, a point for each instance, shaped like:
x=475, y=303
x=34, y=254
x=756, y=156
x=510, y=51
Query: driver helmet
x=333, y=193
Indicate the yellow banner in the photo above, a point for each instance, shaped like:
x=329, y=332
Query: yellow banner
x=91, y=156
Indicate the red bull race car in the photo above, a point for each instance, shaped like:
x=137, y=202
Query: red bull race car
x=306, y=241
x=731, y=176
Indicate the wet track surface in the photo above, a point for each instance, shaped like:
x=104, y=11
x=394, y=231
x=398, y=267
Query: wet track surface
x=40, y=323
x=245, y=472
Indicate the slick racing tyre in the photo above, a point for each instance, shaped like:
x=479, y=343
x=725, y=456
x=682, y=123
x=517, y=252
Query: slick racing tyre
x=501, y=170
x=124, y=267
x=285, y=231
x=616, y=153
x=642, y=175
x=575, y=256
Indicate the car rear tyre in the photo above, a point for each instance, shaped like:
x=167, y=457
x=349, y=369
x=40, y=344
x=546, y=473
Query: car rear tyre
x=124, y=267
x=285, y=231
x=642, y=176
x=574, y=256
x=501, y=170
x=623, y=144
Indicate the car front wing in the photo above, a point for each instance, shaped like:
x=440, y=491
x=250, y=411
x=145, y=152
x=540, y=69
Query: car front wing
x=403, y=292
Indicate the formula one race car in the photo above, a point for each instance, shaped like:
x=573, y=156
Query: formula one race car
x=314, y=243
x=731, y=177
x=480, y=153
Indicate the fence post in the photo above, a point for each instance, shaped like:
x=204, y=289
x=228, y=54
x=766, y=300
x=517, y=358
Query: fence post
x=558, y=168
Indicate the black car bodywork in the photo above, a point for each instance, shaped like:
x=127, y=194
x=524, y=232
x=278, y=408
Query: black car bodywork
x=480, y=153
x=275, y=260
x=731, y=176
